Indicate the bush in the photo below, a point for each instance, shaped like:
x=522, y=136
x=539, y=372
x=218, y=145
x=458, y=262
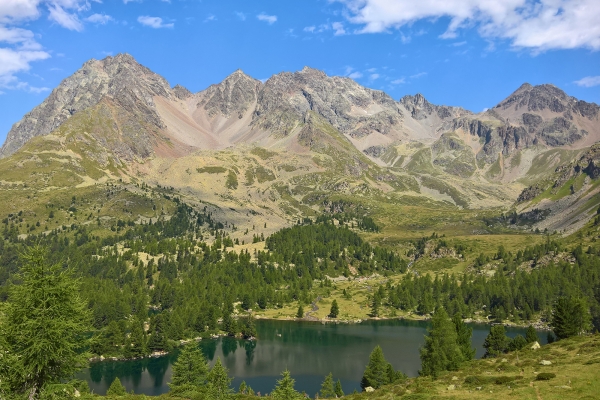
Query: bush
x=477, y=380
x=545, y=376
x=502, y=380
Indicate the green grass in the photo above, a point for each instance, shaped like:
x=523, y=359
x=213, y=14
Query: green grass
x=211, y=170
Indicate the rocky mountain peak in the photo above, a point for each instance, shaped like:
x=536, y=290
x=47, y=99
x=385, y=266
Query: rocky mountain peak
x=234, y=96
x=120, y=78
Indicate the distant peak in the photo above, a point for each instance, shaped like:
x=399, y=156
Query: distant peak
x=239, y=74
x=525, y=86
x=309, y=70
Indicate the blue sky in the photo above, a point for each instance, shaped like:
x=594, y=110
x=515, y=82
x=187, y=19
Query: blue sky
x=469, y=53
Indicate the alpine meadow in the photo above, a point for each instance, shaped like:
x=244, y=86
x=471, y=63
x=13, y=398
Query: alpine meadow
x=319, y=233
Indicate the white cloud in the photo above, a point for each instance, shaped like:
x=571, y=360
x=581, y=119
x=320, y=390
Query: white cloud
x=270, y=19
x=539, y=25
x=153, y=22
x=400, y=81
x=64, y=18
x=458, y=44
x=372, y=77
x=338, y=28
x=240, y=15
x=310, y=29
x=100, y=19
x=420, y=74
x=14, y=61
x=211, y=17
x=588, y=81
x=355, y=75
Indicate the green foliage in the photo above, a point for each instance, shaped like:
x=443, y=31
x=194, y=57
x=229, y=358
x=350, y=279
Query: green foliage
x=300, y=312
x=247, y=327
x=219, y=383
x=571, y=317
x=42, y=326
x=335, y=309
x=284, y=390
x=441, y=351
x=327, y=389
x=531, y=334
x=189, y=371
x=545, y=376
x=518, y=343
x=496, y=341
x=116, y=388
x=338, y=389
x=378, y=371
x=211, y=170
x=463, y=337
x=232, y=181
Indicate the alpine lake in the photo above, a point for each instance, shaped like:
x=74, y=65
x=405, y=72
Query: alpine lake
x=309, y=350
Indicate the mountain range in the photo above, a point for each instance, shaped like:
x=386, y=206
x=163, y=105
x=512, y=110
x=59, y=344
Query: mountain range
x=281, y=147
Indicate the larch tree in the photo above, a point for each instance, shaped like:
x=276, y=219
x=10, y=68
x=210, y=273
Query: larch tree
x=441, y=351
x=43, y=327
x=189, y=371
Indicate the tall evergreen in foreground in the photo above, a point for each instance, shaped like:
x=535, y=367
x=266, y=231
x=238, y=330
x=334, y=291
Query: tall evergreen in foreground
x=463, y=337
x=496, y=341
x=285, y=388
x=327, y=389
x=42, y=327
x=571, y=317
x=189, y=371
x=441, y=351
x=378, y=371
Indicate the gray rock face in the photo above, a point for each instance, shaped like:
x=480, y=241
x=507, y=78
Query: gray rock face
x=286, y=97
x=420, y=108
x=232, y=97
x=127, y=83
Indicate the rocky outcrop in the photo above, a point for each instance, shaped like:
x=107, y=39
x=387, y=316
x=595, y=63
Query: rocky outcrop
x=232, y=97
x=350, y=108
x=121, y=79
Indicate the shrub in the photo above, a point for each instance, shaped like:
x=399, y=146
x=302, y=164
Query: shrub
x=545, y=376
x=502, y=380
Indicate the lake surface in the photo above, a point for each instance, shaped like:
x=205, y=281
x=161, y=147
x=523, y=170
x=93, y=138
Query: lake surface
x=310, y=350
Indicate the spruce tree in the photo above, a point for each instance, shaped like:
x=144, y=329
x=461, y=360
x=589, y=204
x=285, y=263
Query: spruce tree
x=300, y=312
x=335, y=310
x=377, y=370
x=327, y=390
x=441, y=351
x=463, y=337
x=190, y=370
x=219, y=383
x=531, y=334
x=338, y=389
x=284, y=390
x=116, y=388
x=496, y=341
x=43, y=327
x=570, y=317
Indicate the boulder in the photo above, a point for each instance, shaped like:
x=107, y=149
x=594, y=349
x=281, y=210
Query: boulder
x=545, y=362
x=535, y=346
x=369, y=389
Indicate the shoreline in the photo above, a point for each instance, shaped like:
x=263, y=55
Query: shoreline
x=537, y=325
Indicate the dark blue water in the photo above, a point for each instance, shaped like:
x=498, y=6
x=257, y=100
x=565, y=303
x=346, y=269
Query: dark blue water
x=309, y=350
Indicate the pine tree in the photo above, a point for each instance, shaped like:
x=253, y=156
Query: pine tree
x=300, y=312
x=463, y=337
x=284, y=390
x=335, y=310
x=377, y=371
x=571, y=317
x=189, y=371
x=441, y=351
x=219, y=383
x=42, y=326
x=327, y=390
x=496, y=341
x=116, y=388
x=531, y=334
x=338, y=389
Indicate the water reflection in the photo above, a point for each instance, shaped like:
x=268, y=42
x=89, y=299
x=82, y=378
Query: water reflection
x=308, y=350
